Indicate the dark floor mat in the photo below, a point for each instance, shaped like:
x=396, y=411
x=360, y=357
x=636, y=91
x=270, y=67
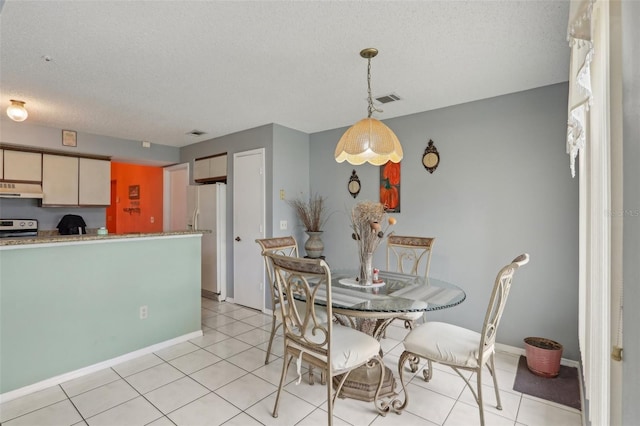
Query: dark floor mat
x=563, y=389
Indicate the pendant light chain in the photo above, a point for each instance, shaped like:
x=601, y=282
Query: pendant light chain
x=371, y=108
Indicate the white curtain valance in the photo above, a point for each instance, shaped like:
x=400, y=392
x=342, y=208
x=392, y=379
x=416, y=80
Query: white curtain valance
x=580, y=19
x=580, y=95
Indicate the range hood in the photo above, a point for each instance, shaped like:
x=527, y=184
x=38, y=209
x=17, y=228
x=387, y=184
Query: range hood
x=20, y=190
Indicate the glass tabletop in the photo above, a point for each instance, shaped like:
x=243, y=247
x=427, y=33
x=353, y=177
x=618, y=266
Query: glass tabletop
x=401, y=293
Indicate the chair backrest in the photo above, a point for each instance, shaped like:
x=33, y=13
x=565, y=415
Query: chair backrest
x=309, y=279
x=498, y=300
x=285, y=246
x=408, y=254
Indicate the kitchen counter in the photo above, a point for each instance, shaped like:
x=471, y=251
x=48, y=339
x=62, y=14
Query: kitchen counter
x=73, y=304
x=49, y=239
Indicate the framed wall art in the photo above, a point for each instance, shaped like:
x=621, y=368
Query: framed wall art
x=134, y=192
x=390, y=187
x=69, y=138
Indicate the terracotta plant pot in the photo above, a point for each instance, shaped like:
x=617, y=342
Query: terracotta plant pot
x=543, y=356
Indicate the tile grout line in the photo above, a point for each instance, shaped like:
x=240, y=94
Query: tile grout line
x=72, y=403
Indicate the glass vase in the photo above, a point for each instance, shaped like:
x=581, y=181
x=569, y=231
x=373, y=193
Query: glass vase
x=366, y=268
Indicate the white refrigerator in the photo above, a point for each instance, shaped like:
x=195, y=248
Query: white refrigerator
x=206, y=211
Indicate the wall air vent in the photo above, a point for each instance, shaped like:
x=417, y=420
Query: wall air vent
x=196, y=132
x=391, y=97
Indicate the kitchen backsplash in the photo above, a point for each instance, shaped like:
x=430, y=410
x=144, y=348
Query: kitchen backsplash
x=48, y=217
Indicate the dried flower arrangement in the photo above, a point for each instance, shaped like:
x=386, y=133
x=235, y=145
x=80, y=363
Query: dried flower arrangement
x=312, y=213
x=366, y=220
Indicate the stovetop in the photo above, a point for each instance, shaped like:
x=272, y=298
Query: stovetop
x=12, y=228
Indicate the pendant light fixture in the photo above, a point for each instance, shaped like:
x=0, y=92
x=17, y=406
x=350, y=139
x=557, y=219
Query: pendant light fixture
x=16, y=111
x=369, y=140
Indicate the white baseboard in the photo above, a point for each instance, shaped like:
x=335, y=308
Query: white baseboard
x=17, y=393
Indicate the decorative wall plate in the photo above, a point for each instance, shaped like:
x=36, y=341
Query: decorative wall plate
x=354, y=184
x=431, y=157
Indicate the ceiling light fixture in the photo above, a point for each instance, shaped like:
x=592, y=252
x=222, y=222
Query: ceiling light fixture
x=16, y=111
x=369, y=140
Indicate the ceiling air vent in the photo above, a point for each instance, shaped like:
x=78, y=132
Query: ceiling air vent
x=391, y=97
x=195, y=132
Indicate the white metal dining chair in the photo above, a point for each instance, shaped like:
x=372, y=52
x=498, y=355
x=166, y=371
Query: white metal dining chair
x=286, y=246
x=461, y=348
x=409, y=255
x=337, y=350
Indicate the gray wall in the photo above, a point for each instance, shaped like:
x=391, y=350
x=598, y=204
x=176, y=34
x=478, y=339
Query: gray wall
x=123, y=150
x=503, y=187
x=291, y=174
x=286, y=159
x=51, y=138
x=631, y=245
x=259, y=137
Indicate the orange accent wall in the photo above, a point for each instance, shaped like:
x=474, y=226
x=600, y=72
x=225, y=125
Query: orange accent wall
x=135, y=214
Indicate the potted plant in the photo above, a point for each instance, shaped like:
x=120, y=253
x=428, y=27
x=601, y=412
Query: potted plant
x=313, y=216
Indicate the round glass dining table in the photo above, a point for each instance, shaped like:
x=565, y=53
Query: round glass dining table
x=397, y=294
x=371, y=309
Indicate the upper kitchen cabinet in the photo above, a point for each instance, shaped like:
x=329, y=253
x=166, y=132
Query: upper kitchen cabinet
x=73, y=181
x=22, y=166
x=94, y=182
x=59, y=180
x=210, y=169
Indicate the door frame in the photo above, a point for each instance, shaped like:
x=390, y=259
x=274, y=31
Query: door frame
x=166, y=191
x=263, y=218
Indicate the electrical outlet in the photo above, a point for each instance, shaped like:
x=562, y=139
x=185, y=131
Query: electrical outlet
x=144, y=312
x=283, y=225
x=282, y=194
x=152, y=219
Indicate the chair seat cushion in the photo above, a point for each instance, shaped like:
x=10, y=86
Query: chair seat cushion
x=349, y=348
x=446, y=343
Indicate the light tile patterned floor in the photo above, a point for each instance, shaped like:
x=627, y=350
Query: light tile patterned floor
x=220, y=378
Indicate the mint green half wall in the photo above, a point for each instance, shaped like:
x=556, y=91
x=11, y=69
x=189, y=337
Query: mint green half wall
x=67, y=306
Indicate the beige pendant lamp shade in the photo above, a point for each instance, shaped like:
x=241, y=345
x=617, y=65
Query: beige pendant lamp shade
x=369, y=140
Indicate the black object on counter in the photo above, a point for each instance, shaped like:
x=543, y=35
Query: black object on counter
x=72, y=224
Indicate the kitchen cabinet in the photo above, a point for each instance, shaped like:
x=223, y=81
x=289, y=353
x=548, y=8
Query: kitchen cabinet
x=210, y=169
x=94, y=184
x=73, y=181
x=22, y=166
x=59, y=180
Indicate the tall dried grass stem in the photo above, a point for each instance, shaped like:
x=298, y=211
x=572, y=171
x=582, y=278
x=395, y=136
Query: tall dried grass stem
x=311, y=213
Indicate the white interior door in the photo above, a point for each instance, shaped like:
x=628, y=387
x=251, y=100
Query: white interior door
x=248, y=225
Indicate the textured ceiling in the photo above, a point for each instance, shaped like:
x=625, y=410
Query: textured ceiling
x=155, y=70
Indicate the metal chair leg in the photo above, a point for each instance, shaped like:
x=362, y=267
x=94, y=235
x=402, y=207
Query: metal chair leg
x=273, y=333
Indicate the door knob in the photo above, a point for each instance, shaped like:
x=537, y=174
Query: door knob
x=237, y=238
